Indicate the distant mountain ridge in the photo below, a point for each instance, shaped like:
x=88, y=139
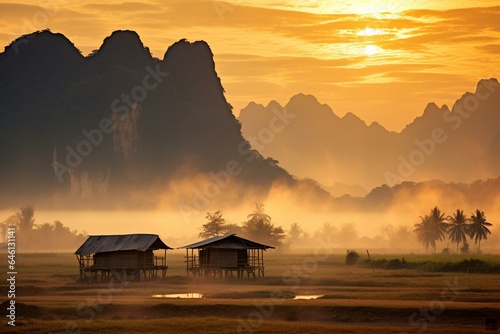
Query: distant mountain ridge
x=460, y=145
x=120, y=127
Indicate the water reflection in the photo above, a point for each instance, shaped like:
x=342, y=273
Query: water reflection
x=190, y=295
x=307, y=296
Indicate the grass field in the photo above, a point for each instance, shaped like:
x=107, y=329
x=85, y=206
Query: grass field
x=420, y=293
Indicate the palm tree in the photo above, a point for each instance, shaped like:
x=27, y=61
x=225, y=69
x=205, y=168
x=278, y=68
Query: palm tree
x=424, y=234
x=439, y=220
x=478, y=228
x=458, y=227
x=431, y=228
x=259, y=226
x=259, y=214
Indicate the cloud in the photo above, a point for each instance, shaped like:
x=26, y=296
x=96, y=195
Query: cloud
x=18, y=9
x=121, y=7
x=491, y=48
x=267, y=51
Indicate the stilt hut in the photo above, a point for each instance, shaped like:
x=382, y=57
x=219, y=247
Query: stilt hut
x=225, y=256
x=129, y=256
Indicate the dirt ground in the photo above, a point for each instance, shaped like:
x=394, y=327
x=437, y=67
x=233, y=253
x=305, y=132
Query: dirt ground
x=357, y=299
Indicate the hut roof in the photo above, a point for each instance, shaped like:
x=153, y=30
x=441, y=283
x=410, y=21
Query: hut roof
x=113, y=243
x=229, y=241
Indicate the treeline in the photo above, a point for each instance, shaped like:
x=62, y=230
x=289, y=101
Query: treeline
x=458, y=228
x=40, y=237
x=257, y=226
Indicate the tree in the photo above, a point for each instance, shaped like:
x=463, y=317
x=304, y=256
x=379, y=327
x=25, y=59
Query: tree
x=44, y=236
x=3, y=231
x=26, y=219
x=258, y=214
x=398, y=237
x=9, y=222
x=431, y=228
x=347, y=233
x=296, y=235
x=233, y=229
x=424, y=232
x=478, y=229
x=56, y=236
x=329, y=231
x=295, y=232
x=260, y=227
x=216, y=225
x=458, y=227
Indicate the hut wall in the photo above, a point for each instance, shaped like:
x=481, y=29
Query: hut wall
x=219, y=258
x=242, y=258
x=124, y=260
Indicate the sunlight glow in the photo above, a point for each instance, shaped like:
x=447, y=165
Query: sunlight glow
x=371, y=32
x=370, y=7
x=371, y=50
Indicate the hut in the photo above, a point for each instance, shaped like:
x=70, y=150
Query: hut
x=225, y=256
x=102, y=257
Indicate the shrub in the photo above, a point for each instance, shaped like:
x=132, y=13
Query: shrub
x=351, y=257
x=396, y=264
x=446, y=251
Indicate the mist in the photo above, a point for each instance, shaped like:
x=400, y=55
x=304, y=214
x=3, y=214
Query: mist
x=383, y=220
x=159, y=163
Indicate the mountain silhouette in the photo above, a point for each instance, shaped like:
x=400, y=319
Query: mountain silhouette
x=319, y=144
x=122, y=128
x=118, y=127
x=493, y=154
x=461, y=145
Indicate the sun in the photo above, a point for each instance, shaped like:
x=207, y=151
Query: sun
x=371, y=50
x=371, y=32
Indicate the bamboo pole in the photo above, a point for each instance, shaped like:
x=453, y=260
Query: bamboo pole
x=370, y=259
x=262, y=262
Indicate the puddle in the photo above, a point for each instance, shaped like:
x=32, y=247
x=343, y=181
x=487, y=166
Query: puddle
x=191, y=295
x=307, y=296
x=196, y=295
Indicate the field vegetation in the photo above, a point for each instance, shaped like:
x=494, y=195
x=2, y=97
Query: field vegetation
x=401, y=293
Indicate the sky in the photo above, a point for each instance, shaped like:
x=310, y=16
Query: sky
x=382, y=60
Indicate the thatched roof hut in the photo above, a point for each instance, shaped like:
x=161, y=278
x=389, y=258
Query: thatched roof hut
x=222, y=256
x=102, y=256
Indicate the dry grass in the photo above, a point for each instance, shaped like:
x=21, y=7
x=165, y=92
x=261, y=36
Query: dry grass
x=215, y=325
x=357, y=299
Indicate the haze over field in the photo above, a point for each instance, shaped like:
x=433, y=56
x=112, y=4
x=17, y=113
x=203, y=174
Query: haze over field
x=250, y=166
x=145, y=134
x=460, y=143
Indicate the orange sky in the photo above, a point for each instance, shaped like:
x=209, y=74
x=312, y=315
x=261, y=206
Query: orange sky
x=382, y=60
